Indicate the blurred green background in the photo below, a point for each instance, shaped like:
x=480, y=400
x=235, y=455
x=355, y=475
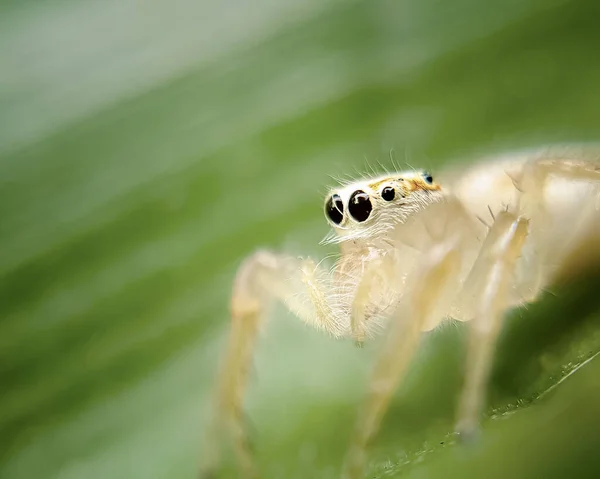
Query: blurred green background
x=146, y=147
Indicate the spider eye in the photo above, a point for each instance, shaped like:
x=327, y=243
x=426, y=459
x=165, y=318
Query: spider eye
x=427, y=177
x=388, y=193
x=360, y=206
x=334, y=209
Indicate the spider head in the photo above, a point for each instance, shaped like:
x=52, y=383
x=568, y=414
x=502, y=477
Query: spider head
x=366, y=209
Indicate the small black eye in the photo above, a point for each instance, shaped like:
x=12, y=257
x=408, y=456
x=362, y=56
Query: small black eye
x=360, y=206
x=334, y=209
x=388, y=193
x=428, y=178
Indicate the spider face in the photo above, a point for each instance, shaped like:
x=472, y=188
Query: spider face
x=359, y=205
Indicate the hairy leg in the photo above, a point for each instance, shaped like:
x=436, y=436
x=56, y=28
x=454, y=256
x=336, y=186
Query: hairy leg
x=531, y=181
x=262, y=277
x=440, y=236
x=377, y=272
x=310, y=293
x=429, y=280
x=489, y=288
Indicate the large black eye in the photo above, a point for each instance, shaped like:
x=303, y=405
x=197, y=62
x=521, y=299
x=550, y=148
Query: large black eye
x=360, y=206
x=388, y=193
x=334, y=209
x=427, y=177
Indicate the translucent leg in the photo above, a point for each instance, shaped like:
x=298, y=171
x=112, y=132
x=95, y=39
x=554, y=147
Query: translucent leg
x=531, y=181
x=440, y=264
x=262, y=277
x=494, y=272
x=377, y=272
x=486, y=294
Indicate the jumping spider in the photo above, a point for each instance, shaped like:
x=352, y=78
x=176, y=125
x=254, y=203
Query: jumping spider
x=415, y=250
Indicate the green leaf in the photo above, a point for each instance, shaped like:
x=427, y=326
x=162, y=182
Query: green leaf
x=147, y=147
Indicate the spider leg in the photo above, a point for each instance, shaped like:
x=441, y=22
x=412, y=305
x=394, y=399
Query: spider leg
x=377, y=270
x=488, y=288
x=262, y=277
x=440, y=264
x=531, y=181
x=531, y=177
x=489, y=285
x=433, y=287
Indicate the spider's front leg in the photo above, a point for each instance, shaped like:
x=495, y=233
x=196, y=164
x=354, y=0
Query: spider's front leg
x=488, y=290
x=261, y=278
x=378, y=269
x=310, y=293
x=435, y=284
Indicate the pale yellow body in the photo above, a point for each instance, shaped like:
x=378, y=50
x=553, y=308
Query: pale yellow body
x=561, y=202
x=468, y=243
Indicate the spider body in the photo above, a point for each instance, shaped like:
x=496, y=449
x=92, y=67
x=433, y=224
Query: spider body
x=468, y=243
